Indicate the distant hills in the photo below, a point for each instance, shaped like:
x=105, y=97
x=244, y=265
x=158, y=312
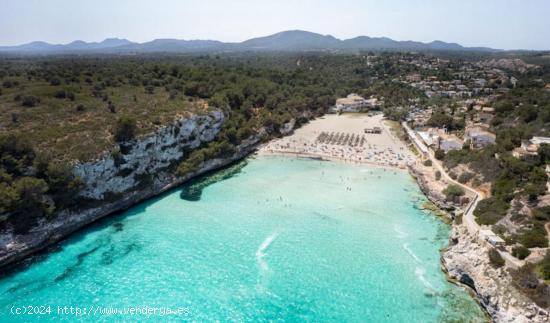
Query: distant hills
x=293, y=40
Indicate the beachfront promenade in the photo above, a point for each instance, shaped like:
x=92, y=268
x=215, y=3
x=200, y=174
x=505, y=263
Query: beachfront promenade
x=468, y=217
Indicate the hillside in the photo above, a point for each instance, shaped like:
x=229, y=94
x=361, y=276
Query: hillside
x=293, y=40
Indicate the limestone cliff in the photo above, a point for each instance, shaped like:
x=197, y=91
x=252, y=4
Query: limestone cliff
x=466, y=261
x=142, y=168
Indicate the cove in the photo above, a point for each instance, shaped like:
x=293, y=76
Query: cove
x=270, y=239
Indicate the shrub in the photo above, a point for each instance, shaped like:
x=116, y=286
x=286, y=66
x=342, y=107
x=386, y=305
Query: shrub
x=173, y=94
x=525, y=277
x=60, y=94
x=520, y=252
x=453, y=191
x=55, y=81
x=465, y=177
x=437, y=175
x=428, y=162
x=453, y=175
x=70, y=96
x=495, y=258
x=541, y=214
x=490, y=211
x=125, y=129
x=544, y=266
x=29, y=101
x=536, y=236
x=439, y=154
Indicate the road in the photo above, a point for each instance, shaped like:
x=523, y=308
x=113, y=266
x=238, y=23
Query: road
x=468, y=217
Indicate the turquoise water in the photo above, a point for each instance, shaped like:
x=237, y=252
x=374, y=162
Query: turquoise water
x=270, y=239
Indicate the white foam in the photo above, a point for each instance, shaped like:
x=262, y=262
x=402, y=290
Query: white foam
x=260, y=253
x=411, y=253
x=419, y=272
x=400, y=233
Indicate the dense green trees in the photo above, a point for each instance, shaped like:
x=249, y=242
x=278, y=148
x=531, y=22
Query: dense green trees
x=31, y=186
x=444, y=120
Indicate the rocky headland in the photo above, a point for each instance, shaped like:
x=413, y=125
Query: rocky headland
x=466, y=262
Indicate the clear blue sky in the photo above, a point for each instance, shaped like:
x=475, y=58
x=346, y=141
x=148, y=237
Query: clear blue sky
x=506, y=24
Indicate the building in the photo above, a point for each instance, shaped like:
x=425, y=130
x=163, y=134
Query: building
x=353, y=103
x=540, y=140
x=414, y=78
x=438, y=139
x=479, y=137
x=450, y=142
x=491, y=238
x=375, y=130
x=529, y=149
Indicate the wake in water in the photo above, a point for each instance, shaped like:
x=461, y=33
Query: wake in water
x=420, y=272
x=400, y=233
x=264, y=267
x=260, y=253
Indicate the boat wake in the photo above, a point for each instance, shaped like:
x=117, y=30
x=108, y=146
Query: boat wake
x=411, y=253
x=260, y=253
x=420, y=272
x=400, y=233
x=264, y=267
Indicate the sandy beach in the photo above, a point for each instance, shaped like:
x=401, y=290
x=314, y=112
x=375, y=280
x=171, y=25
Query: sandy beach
x=343, y=137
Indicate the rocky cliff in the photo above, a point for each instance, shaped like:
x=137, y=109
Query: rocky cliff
x=466, y=261
x=140, y=169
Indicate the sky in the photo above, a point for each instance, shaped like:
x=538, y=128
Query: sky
x=503, y=24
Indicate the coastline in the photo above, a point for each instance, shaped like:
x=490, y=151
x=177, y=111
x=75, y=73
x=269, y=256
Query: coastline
x=261, y=152
x=466, y=263
x=67, y=223
x=464, y=260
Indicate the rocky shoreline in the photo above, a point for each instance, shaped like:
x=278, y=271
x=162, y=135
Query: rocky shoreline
x=44, y=236
x=466, y=263
x=103, y=177
x=465, y=259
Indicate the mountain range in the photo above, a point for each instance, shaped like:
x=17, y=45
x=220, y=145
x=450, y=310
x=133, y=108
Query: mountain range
x=292, y=40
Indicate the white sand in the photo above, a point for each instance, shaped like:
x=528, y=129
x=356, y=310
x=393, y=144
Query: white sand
x=381, y=149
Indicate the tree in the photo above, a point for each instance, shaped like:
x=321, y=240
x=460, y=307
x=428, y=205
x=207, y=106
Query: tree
x=495, y=258
x=520, y=252
x=453, y=191
x=29, y=101
x=125, y=129
x=31, y=192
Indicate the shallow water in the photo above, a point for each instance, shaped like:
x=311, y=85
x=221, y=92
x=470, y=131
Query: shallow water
x=274, y=238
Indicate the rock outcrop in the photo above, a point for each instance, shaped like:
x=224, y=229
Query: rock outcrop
x=432, y=192
x=143, y=168
x=466, y=261
x=118, y=173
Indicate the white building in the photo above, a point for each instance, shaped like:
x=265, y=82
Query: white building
x=491, y=237
x=353, y=103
